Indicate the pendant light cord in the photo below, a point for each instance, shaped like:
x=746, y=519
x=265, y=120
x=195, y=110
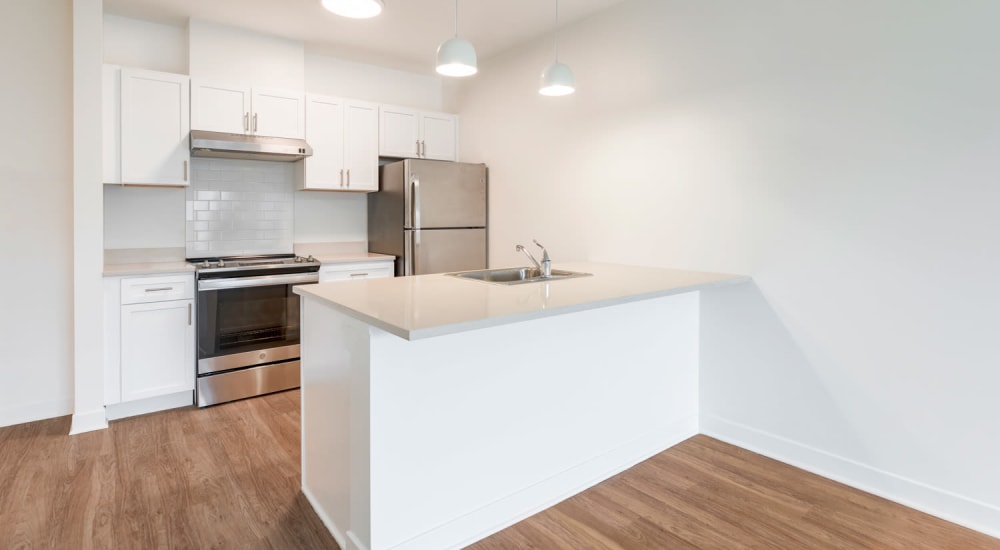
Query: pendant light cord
x=557, y=30
x=456, y=18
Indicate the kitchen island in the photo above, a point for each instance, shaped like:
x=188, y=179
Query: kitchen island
x=437, y=410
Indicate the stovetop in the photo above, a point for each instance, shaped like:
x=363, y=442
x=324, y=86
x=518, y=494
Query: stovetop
x=254, y=263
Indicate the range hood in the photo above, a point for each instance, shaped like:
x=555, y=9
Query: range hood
x=240, y=146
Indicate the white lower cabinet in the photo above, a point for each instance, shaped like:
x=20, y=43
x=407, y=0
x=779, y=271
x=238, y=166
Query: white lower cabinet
x=150, y=343
x=157, y=349
x=356, y=270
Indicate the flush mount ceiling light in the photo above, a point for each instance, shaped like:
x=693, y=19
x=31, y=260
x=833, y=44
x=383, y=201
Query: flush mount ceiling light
x=557, y=79
x=357, y=9
x=456, y=56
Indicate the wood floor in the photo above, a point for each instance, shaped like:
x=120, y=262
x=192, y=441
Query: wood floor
x=228, y=477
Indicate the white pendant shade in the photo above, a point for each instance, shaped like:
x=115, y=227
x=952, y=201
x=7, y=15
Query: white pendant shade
x=456, y=57
x=557, y=79
x=357, y=9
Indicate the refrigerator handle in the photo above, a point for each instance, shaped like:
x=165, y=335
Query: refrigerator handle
x=408, y=254
x=415, y=202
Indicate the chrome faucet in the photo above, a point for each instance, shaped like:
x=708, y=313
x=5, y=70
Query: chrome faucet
x=545, y=268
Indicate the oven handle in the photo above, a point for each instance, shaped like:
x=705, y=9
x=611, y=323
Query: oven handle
x=264, y=280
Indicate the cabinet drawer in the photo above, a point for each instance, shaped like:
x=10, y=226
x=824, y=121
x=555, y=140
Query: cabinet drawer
x=138, y=290
x=346, y=272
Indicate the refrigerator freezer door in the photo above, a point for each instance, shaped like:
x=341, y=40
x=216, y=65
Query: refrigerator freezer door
x=444, y=250
x=445, y=194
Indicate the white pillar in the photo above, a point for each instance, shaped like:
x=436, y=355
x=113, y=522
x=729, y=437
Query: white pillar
x=88, y=219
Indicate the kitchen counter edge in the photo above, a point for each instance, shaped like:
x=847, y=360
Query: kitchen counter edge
x=623, y=296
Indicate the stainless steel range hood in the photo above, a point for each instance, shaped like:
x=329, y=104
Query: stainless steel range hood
x=239, y=146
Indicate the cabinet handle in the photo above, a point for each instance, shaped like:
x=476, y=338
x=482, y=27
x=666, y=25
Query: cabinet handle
x=341, y=177
x=189, y=314
x=161, y=289
x=418, y=148
x=246, y=121
x=359, y=274
x=255, y=123
x=423, y=148
x=348, y=177
x=185, y=170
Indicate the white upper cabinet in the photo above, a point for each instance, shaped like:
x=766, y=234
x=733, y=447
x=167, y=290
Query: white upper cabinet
x=410, y=133
x=439, y=136
x=278, y=113
x=361, y=145
x=221, y=107
x=146, y=119
x=344, y=137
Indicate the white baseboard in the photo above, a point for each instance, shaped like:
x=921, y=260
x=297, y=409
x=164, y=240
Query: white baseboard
x=971, y=513
x=354, y=543
x=483, y=522
x=20, y=414
x=337, y=535
x=150, y=405
x=88, y=421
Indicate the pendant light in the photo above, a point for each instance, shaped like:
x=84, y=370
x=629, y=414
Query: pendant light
x=356, y=9
x=557, y=79
x=456, y=56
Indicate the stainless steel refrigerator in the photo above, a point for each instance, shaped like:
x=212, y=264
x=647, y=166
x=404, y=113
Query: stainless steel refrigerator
x=431, y=215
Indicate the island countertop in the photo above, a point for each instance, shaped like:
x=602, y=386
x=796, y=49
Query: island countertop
x=425, y=306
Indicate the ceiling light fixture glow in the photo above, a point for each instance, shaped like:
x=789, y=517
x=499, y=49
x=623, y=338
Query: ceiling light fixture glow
x=557, y=78
x=456, y=56
x=356, y=9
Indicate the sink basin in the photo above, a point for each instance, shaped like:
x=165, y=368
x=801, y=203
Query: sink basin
x=515, y=275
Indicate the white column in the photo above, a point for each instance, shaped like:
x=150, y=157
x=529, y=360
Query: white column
x=88, y=216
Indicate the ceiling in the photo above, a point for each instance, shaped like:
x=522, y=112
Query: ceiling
x=404, y=36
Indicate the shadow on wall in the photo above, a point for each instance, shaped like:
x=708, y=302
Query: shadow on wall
x=756, y=378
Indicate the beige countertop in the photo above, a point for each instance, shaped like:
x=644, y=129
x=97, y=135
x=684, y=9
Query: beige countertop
x=343, y=258
x=147, y=268
x=433, y=305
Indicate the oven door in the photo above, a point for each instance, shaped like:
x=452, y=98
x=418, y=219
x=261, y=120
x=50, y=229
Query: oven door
x=246, y=321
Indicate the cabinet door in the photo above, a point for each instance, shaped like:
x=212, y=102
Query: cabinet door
x=399, y=131
x=361, y=146
x=157, y=343
x=218, y=107
x=439, y=132
x=325, y=134
x=278, y=113
x=111, y=127
x=155, y=127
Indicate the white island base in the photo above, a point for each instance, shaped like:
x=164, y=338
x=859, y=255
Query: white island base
x=438, y=442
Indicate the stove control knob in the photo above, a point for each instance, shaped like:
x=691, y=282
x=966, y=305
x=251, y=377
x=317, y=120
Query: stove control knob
x=222, y=263
x=206, y=264
x=310, y=258
x=299, y=259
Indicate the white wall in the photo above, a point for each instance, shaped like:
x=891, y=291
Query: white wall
x=337, y=77
x=36, y=215
x=844, y=155
x=230, y=54
x=142, y=44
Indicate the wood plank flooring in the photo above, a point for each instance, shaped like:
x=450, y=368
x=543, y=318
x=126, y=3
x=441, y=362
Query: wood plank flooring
x=228, y=477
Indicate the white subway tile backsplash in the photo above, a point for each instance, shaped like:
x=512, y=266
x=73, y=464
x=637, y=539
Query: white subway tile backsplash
x=237, y=207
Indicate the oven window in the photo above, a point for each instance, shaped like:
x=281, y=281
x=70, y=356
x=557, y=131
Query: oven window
x=246, y=319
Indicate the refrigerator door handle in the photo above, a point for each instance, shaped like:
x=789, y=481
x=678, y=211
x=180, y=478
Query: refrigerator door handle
x=408, y=253
x=415, y=202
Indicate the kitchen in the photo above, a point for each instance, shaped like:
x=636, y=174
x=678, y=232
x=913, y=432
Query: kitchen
x=793, y=165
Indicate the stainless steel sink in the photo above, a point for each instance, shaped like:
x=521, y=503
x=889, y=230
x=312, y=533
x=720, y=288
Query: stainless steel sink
x=516, y=275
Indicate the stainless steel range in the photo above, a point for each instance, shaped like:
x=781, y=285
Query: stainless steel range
x=248, y=325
